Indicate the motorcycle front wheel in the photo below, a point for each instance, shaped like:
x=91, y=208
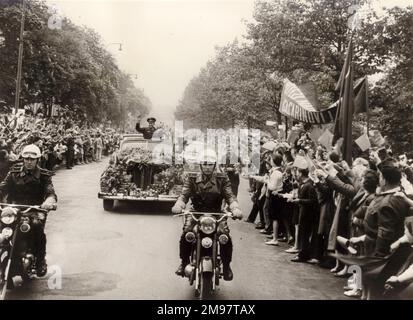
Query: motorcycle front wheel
x=205, y=291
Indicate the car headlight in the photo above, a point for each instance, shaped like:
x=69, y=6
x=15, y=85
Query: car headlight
x=8, y=215
x=7, y=232
x=208, y=225
x=206, y=242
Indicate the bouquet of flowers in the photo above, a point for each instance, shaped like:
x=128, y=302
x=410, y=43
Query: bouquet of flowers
x=135, y=156
x=168, y=178
x=116, y=178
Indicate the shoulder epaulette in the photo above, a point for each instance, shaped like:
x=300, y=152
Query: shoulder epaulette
x=191, y=174
x=221, y=175
x=17, y=167
x=46, y=172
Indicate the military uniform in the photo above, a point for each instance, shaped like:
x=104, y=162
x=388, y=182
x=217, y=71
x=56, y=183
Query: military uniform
x=27, y=188
x=146, y=131
x=384, y=222
x=206, y=195
x=30, y=188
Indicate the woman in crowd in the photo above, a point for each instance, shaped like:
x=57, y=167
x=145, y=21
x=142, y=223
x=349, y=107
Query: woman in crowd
x=275, y=187
x=287, y=208
x=308, y=216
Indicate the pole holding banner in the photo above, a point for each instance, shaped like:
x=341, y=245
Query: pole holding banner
x=367, y=108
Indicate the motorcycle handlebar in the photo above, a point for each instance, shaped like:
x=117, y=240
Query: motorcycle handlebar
x=227, y=214
x=27, y=207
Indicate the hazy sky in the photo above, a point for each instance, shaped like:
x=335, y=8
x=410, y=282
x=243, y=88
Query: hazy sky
x=165, y=42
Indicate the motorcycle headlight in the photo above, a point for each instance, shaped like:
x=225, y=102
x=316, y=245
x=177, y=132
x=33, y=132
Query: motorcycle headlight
x=206, y=242
x=208, y=225
x=190, y=237
x=8, y=215
x=7, y=232
x=223, y=239
x=25, y=227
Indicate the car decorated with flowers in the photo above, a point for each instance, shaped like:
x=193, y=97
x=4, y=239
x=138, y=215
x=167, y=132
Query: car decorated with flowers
x=134, y=174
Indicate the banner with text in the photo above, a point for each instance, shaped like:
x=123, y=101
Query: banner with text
x=295, y=104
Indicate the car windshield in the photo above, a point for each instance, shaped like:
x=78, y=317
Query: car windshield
x=144, y=144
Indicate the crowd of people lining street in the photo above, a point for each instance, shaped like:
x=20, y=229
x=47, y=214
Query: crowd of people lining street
x=337, y=215
x=67, y=140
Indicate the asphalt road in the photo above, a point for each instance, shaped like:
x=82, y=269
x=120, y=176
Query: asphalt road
x=132, y=253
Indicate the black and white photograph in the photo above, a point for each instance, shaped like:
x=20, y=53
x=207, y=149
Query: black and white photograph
x=185, y=150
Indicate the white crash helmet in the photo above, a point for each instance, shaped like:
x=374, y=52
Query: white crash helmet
x=31, y=151
x=209, y=156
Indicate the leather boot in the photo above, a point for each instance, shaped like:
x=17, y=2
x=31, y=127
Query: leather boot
x=181, y=269
x=41, y=268
x=227, y=271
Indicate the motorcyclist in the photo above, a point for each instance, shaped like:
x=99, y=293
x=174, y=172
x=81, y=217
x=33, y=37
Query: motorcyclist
x=207, y=189
x=28, y=184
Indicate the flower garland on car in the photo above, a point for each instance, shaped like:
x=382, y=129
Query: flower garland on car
x=116, y=179
x=135, y=156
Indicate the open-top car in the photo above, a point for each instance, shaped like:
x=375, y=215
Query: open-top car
x=134, y=175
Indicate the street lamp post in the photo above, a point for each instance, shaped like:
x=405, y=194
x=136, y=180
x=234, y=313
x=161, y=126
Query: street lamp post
x=20, y=59
x=117, y=43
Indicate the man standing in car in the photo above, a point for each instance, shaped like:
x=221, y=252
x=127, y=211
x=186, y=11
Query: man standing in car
x=146, y=131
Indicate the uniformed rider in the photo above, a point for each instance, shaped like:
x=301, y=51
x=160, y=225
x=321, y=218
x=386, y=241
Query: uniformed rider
x=28, y=184
x=207, y=190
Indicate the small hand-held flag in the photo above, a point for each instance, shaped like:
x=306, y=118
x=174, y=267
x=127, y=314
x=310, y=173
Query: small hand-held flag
x=363, y=142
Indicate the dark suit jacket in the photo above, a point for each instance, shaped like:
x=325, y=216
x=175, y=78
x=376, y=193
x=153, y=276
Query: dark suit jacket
x=384, y=223
x=308, y=202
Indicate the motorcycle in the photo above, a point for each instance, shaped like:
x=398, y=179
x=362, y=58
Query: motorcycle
x=16, y=243
x=205, y=267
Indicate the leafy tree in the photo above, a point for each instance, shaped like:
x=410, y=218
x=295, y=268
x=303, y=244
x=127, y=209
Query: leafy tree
x=69, y=66
x=393, y=94
x=231, y=90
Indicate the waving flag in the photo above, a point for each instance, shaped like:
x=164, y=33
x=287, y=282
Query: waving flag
x=344, y=115
x=296, y=104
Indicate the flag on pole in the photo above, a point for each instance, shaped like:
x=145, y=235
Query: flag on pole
x=361, y=99
x=344, y=115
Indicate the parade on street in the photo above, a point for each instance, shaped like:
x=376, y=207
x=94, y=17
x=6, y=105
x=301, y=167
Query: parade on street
x=204, y=150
